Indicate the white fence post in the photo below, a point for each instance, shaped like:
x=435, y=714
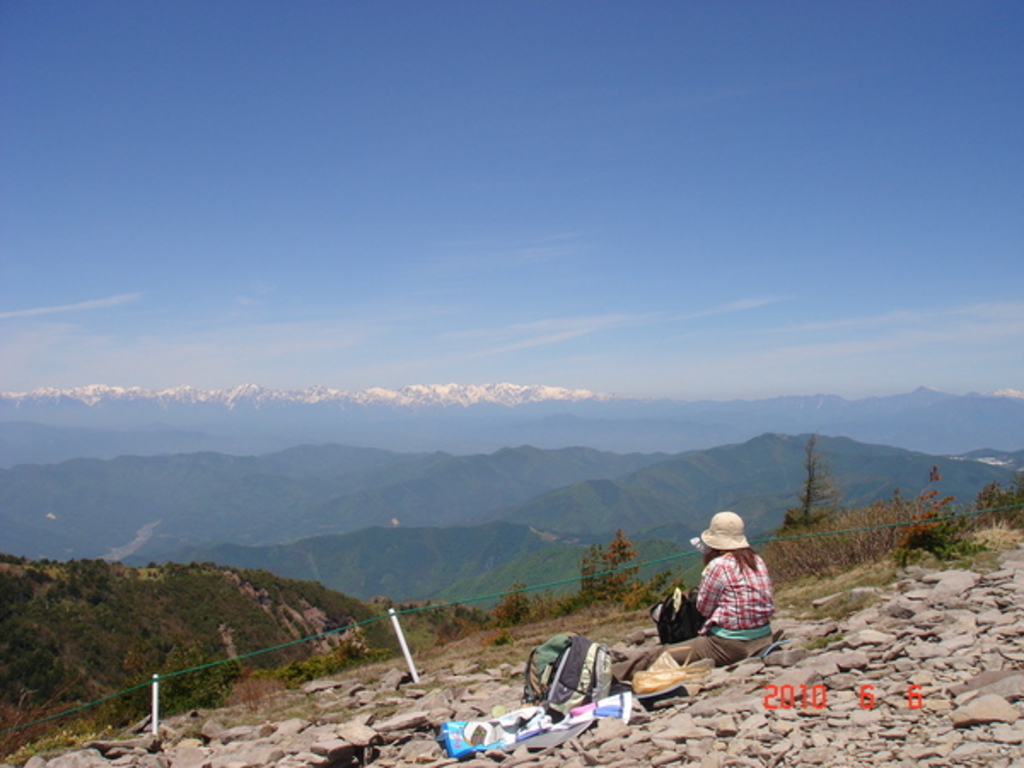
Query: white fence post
x=405, y=647
x=155, y=713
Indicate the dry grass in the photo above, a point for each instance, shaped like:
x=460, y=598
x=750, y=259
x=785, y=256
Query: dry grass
x=605, y=623
x=254, y=693
x=998, y=538
x=820, y=552
x=796, y=597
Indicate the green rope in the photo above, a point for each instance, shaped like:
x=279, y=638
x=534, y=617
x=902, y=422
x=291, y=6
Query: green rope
x=498, y=595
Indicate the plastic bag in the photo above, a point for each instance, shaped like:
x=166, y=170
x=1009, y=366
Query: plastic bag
x=666, y=673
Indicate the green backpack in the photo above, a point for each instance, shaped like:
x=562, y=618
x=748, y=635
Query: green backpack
x=566, y=672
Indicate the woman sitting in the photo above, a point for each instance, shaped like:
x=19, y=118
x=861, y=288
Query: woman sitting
x=735, y=597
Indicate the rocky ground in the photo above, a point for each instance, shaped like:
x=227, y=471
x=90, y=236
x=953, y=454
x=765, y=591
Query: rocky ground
x=931, y=673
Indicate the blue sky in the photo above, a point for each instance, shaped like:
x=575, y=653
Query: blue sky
x=694, y=200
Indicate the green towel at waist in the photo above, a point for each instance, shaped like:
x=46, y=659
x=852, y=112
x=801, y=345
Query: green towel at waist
x=741, y=634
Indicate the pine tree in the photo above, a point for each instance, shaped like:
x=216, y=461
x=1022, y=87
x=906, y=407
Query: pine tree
x=598, y=582
x=819, y=496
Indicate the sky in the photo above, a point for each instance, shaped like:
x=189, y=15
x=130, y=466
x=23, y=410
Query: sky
x=660, y=199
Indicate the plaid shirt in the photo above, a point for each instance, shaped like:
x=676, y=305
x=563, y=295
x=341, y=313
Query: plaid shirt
x=734, y=598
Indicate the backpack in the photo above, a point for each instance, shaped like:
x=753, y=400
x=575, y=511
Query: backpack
x=566, y=672
x=677, y=618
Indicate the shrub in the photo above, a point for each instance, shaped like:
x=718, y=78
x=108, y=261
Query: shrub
x=1006, y=505
x=251, y=692
x=514, y=608
x=868, y=535
x=349, y=652
x=206, y=687
x=504, y=637
x=898, y=527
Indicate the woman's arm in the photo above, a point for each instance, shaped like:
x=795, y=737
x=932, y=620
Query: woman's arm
x=712, y=585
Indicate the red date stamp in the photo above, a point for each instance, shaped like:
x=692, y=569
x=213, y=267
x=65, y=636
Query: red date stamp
x=816, y=697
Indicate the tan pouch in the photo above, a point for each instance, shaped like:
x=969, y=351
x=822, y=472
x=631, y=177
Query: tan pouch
x=666, y=673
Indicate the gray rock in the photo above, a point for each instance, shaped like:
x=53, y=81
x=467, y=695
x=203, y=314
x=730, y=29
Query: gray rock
x=900, y=608
x=212, y=729
x=848, y=660
x=408, y=721
x=315, y=686
x=1010, y=687
x=422, y=751
x=85, y=758
x=247, y=753
x=189, y=757
x=725, y=726
x=114, y=749
x=238, y=733
x=869, y=637
x=334, y=749
x=358, y=734
x=392, y=680
x=990, y=708
x=1004, y=734
x=955, y=582
x=797, y=676
x=786, y=658
x=608, y=729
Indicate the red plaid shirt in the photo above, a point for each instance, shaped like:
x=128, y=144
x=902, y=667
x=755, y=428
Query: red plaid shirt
x=734, y=598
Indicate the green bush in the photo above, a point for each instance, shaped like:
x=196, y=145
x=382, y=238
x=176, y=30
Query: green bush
x=348, y=653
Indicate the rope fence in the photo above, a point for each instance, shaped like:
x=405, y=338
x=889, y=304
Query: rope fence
x=393, y=613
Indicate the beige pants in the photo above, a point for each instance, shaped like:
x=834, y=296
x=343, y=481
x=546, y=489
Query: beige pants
x=720, y=649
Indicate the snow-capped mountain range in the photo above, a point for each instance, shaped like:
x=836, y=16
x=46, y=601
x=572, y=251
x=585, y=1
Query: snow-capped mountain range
x=413, y=395
x=470, y=418
x=255, y=395
x=1017, y=393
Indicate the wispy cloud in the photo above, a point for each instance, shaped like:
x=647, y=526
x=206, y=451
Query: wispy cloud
x=742, y=305
x=955, y=348
x=997, y=319
x=110, y=301
x=519, y=336
x=922, y=340
x=539, y=333
x=473, y=257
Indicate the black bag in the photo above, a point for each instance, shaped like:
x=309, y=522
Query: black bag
x=677, y=618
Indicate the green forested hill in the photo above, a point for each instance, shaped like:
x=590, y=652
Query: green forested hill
x=152, y=506
x=559, y=566
x=759, y=479
x=454, y=563
x=463, y=490
x=82, y=629
x=542, y=539
x=389, y=520
x=401, y=563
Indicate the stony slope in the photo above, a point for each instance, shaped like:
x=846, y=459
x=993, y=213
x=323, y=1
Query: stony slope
x=942, y=652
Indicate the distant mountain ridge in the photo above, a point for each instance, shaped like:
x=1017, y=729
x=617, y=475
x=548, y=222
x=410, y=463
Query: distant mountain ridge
x=466, y=419
x=413, y=395
x=154, y=507
x=158, y=504
x=660, y=506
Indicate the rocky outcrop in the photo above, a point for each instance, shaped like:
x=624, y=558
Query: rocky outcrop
x=932, y=674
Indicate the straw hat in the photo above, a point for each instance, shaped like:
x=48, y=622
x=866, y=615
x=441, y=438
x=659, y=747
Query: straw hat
x=725, y=532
